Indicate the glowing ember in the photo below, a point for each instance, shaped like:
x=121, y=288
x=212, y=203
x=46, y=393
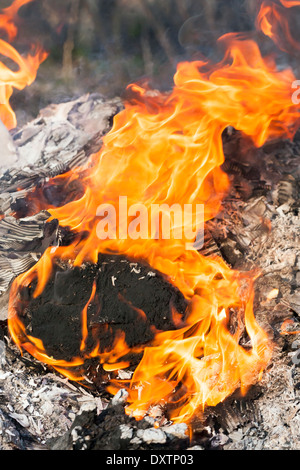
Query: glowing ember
x=167, y=149
x=27, y=66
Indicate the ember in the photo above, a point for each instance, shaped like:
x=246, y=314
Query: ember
x=137, y=311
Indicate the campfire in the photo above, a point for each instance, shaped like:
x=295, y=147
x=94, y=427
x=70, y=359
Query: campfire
x=137, y=252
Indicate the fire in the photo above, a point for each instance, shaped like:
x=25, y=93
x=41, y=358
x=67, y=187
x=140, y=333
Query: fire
x=272, y=21
x=167, y=149
x=26, y=66
x=290, y=3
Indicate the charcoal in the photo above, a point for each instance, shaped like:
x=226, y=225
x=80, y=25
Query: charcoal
x=124, y=289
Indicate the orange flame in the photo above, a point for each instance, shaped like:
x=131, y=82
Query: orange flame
x=272, y=21
x=27, y=66
x=290, y=3
x=167, y=149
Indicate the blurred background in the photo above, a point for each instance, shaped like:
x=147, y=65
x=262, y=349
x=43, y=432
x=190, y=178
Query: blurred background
x=103, y=45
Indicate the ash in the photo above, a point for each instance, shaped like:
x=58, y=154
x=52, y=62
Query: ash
x=42, y=411
x=258, y=227
x=35, y=405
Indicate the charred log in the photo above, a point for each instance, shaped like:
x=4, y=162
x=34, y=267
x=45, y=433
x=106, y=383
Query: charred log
x=130, y=298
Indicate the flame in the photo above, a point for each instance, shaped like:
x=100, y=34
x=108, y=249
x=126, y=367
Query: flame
x=9, y=16
x=26, y=66
x=272, y=21
x=196, y=366
x=167, y=149
x=290, y=3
